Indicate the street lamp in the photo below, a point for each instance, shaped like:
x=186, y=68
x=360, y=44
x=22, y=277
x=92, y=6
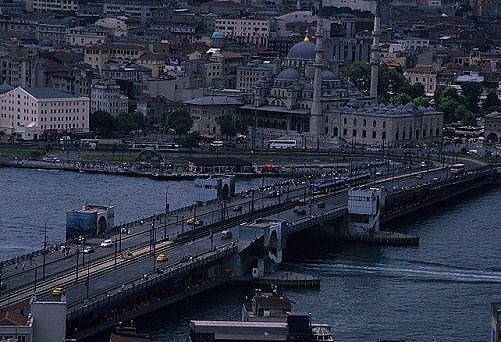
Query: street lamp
x=44, y=251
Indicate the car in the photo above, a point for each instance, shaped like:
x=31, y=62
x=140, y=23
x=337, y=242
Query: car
x=58, y=291
x=186, y=258
x=88, y=249
x=226, y=234
x=300, y=211
x=423, y=164
x=419, y=176
x=159, y=271
x=162, y=257
x=107, y=243
x=192, y=221
x=238, y=208
x=436, y=178
x=321, y=205
x=273, y=194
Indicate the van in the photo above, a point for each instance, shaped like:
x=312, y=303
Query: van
x=226, y=234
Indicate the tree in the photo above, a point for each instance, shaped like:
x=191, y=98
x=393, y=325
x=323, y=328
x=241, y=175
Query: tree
x=472, y=91
x=191, y=140
x=227, y=125
x=128, y=122
x=180, y=121
x=102, y=123
x=400, y=99
x=490, y=102
x=422, y=101
x=359, y=73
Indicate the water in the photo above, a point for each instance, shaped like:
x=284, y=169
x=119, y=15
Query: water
x=30, y=199
x=442, y=288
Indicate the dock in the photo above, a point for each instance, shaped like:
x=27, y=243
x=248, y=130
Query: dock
x=384, y=238
x=287, y=279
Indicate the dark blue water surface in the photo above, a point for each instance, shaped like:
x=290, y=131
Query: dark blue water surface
x=442, y=289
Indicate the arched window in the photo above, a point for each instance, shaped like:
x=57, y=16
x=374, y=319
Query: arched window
x=374, y=123
x=335, y=132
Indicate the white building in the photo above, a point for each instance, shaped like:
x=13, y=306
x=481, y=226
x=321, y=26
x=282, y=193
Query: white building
x=106, y=96
x=52, y=5
x=248, y=31
x=362, y=5
x=27, y=112
x=408, y=44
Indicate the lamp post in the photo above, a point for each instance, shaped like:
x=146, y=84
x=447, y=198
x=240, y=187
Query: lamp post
x=166, y=211
x=44, y=250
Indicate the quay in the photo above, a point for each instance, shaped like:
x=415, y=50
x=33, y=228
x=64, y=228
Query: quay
x=126, y=281
x=285, y=279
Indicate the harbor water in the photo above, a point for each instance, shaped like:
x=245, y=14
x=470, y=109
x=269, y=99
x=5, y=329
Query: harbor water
x=441, y=289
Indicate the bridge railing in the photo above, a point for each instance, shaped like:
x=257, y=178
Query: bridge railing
x=313, y=221
x=124, y=290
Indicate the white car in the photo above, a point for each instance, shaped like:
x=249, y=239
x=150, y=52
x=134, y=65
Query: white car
x=107, y=243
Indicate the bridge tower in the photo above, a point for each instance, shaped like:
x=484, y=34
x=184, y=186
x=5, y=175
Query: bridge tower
x=365, y=207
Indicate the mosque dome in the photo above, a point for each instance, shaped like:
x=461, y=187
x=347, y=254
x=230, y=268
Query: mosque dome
x=411, y=107
x=288, y=74
x=217, y=35
x=328, y=75
x=302, y=50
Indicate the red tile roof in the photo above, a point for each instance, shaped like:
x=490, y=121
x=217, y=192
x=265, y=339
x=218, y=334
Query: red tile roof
x=10, y=318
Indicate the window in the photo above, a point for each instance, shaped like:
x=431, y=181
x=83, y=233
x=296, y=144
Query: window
x=354, y=133
x=374, y=134
x=345, y=131
x=383, y=135
x=364, y=133
x=374, y=123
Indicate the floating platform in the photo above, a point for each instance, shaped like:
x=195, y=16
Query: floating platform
x=285, y=279
x=384, y=238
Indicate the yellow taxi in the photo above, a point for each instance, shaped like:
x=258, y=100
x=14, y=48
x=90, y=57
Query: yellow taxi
x=58, y=291
x=162, y=257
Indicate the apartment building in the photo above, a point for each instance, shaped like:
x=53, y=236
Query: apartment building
x=98, y=55
x=28, y=112
x=105, y=96
x=248, y=31
x=424, y=74
x=54, y=5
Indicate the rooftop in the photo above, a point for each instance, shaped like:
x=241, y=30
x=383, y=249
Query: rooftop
x=213, y=100
x=48, y=93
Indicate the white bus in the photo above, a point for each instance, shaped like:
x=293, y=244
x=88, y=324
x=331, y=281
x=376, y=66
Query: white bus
x=457, y=169
x=282, y=144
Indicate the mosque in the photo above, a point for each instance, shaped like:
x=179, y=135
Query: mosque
x=307, y=100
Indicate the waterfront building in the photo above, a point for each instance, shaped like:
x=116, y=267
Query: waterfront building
x=492, y=127
x=387, y=125
x=219, y=165
x=105, y=96
x=27, y=112
x=206, y=110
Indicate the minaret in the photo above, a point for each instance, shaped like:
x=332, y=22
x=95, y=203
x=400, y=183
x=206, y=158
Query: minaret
x=375, y=51
x=298, y=5
x=316, y=108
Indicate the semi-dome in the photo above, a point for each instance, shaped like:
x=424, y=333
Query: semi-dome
x=308, y=87
x=217, y=35
x=328, y=75
x=288, y=74
x=302, y=50
x=411, y=107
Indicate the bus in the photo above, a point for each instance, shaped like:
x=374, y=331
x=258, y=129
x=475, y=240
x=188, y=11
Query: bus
x=457, y=169
x=282, y=144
